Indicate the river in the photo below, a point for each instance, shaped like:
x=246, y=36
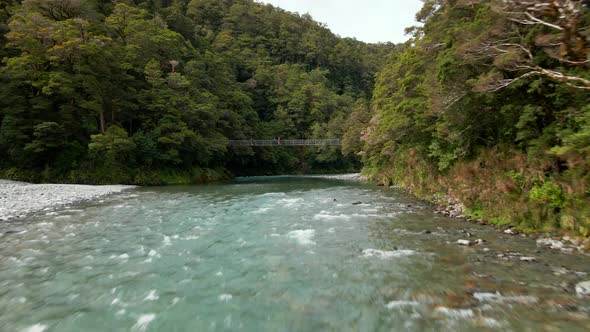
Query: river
x=278, y=254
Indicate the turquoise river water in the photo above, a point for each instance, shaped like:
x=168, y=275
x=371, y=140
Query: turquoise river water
x=278, y=254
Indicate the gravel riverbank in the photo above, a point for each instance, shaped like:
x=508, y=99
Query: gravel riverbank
x=19, y=199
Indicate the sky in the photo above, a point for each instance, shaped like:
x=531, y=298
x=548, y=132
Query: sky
x=370, y=21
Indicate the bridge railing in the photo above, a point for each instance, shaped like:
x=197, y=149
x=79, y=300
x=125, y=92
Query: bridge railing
x=285, y=142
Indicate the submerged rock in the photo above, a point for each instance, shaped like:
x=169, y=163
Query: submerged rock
x=466, y=233
x=508, y=255
x=454, y=313
x=388, y=254
x=401, y=304
x=562, y=270
x=499, y=298
x=480, y=275
x=14, y=231
x=528, y=259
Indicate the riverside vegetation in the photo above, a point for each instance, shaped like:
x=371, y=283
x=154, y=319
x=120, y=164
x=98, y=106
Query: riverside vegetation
x=488, y=102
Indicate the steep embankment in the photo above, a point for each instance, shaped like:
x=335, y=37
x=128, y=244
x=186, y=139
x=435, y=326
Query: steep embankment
x=489, y=111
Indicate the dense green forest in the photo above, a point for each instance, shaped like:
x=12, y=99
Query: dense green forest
x=151, y=91
x=487, y=104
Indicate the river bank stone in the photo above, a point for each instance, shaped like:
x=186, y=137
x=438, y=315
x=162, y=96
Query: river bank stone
x=557, y=245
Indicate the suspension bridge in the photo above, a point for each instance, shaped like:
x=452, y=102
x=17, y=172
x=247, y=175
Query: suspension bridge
x=284, y=142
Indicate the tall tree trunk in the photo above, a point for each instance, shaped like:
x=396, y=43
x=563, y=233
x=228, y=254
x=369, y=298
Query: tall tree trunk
x=102, y=122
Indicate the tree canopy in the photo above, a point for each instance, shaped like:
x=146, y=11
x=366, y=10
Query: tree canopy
x=166, y=84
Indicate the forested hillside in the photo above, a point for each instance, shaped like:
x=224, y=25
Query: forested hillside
x=149, y=92
x=489, y=102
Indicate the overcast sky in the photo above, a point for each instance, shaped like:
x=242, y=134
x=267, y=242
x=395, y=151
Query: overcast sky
x=367, y=20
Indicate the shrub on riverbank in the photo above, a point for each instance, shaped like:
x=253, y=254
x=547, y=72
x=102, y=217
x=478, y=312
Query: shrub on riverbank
x=505, y=187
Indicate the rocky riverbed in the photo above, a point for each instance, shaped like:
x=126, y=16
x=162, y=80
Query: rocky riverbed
x=19, y=199
x=314, y=253
x=449, y=206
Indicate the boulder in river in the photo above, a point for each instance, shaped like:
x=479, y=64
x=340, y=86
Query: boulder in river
x=14, y=231
x=510, y=231
x=555, y=244
x=583, y=288
x=464, y=242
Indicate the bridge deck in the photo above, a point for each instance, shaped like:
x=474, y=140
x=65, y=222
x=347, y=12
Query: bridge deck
x=285, y=142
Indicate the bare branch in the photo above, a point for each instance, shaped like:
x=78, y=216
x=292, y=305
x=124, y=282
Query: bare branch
x=566, y=42
x=569, y=80
x=561, y=16
x=536, y=20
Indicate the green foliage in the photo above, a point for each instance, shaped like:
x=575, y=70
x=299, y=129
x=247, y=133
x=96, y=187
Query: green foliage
x=89, y=85
x=528, y=123
x=474, y=214
x=518, y=178
x=111, y=147
x=575, y=139
x=48, y=136
x=354, y=128
x=550, y=194
x=445, y=158
x=460, y=92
